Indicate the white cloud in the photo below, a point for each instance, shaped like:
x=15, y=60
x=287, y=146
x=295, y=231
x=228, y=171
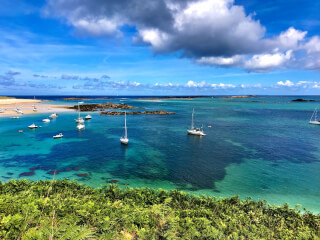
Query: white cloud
x=287, y=83
x=220, y=61
x=313, y=45
x=265, y=62
x=287, y=40
x=211, y=32
x=195, y=84
x=299, y=84
x=96, y=27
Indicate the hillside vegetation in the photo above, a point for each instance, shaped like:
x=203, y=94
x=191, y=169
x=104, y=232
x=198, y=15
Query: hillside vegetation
x=67, y=210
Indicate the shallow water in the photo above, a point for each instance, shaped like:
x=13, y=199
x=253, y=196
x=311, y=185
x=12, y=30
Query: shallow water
x=262, y=150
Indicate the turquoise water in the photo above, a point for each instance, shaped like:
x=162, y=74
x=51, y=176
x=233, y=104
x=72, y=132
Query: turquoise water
x=264, y=150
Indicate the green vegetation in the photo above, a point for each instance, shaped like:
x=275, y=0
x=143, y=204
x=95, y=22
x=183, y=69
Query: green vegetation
x=68, y=210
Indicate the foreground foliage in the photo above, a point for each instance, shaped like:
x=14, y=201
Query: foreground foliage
x=68, y=210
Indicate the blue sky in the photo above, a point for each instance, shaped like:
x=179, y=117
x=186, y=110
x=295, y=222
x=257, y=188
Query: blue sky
x=161, y=47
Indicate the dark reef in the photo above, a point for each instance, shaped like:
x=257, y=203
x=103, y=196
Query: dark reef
x=114, y=113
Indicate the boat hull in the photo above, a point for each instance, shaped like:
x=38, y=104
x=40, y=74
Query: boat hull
x=315, y=122
x=124, y=140
x=196, y=133
x=80, y=127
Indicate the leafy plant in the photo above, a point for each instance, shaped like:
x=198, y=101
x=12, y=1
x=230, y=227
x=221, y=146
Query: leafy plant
x=67, y=210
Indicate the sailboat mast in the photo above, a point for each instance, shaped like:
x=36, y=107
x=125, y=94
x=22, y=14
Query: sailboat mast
x=192, y=126
x=79, y=110
x=125, y=124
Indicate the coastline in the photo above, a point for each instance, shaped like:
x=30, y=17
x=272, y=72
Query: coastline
x=26, y=105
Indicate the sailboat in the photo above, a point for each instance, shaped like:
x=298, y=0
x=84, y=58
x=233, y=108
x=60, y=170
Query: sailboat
x=34, y=105
x=314, y=117
x=53, y=115
x=124, y=139
x=79, y=119
x=80, y=126
x=193, y=130
x=32, y=126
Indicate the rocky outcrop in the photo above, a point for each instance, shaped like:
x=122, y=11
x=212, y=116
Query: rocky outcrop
x=103, y=106
x=75, y=99
x=302, y=100
x=114, y=113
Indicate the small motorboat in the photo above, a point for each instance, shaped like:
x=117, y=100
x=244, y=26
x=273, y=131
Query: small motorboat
x=1, y=111
x=209, y=126
x=20, y=131
x=80, y=126
x=19, y=111
x=46, y=120
x=53, y=115
x=15, y=117
x=88, y=117
x=60, y=135
x=33, y=126
x=35, y=109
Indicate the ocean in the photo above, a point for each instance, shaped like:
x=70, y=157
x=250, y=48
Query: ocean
x=261, y=147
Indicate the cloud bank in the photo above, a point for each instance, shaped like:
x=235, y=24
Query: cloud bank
x=210, y=32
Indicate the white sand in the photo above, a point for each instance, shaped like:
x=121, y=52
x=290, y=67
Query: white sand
x=25, y=105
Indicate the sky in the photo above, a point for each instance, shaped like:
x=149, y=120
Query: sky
x=159, y=47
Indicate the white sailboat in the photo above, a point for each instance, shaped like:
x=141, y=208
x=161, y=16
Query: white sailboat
x=32, y=126
x=124, y=139
x=79, y=119
x=88, y=117
x=34, y=105
x=80, y=126
x=60, y=135
x=314, y=118
x=53, y=115
x=193, y=130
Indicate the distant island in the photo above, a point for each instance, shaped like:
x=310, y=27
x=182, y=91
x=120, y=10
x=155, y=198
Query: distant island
x=240, y=96
x=85, y=99
x=172, y=98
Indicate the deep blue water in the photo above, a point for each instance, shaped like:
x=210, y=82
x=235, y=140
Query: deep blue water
x=263, y=149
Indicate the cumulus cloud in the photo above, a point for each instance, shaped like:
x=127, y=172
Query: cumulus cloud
x=287, y=83
x=299, y=84
x=211, y=32
x=266, y=62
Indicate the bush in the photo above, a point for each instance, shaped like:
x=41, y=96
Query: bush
x=67, y=210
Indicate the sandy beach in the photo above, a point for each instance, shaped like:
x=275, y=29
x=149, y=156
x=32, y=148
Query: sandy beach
x=8, y=107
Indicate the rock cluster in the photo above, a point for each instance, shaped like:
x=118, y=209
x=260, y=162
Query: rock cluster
x=102, y=106
x=114, y=113
x=302, y=100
